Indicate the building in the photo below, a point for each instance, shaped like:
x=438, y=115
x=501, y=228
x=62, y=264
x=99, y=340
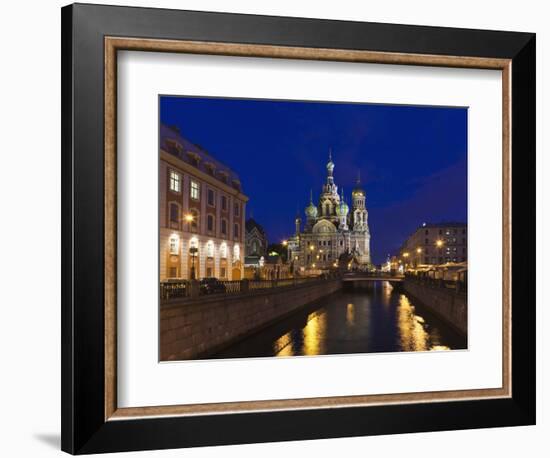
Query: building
x=258, y=262
x=433, y=244
x=255, y=239
x=333, y=233
x=202, y=212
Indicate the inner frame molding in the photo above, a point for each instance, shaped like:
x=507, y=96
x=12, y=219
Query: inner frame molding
x=114, y=44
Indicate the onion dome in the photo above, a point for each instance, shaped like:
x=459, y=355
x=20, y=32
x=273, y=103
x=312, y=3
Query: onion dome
x=311, y=209
x=342, y=209
x=330, y=165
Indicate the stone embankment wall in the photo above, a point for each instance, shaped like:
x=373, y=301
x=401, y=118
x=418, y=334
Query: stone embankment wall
x=446, y=303
x=198, y=327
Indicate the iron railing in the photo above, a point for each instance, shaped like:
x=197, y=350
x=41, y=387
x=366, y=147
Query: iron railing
x=178, y=289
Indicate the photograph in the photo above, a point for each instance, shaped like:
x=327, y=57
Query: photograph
x=304, y=228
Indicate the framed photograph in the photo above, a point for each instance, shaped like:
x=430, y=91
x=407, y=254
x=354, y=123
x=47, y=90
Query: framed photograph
x=281, y=228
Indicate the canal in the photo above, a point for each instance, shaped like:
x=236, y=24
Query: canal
x=377, y=318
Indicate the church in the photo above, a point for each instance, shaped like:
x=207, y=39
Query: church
x=333, y=234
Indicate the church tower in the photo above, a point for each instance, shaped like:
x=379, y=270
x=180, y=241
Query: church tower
x=359, y=208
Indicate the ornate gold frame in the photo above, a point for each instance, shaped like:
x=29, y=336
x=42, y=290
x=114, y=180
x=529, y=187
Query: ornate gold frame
x=114, y=44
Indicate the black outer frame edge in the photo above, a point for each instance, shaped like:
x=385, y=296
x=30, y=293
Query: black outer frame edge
x=524, y=216
x=83, y=427
x=67, y=413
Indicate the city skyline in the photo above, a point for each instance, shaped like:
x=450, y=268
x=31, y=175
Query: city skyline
x=412, y=160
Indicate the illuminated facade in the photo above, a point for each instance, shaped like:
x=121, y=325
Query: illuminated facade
x=202, y=213
x=333, y=232
x=434, y=244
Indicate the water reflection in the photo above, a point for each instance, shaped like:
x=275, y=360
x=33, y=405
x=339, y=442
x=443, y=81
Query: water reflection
x=376, y=319
x=350, y=315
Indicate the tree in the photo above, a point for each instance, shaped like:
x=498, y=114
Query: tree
x=279, y=249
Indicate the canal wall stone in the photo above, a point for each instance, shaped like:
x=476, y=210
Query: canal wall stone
x=447, y=304
x=202, y=326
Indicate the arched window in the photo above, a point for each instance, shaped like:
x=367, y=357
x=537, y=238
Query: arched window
x=236, y=253
x=236, y=230
x=210, y=249
x=174, y=243
x=223, y=250
x=194, y=242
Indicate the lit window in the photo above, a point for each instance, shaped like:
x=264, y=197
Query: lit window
x=194, y=190
x=236, y=253
x=210, y=249
x=174, y=244
x=223, y=250
x=175, y=181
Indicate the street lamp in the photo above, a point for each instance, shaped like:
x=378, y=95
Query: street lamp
x=439, y=243
x=193, y=252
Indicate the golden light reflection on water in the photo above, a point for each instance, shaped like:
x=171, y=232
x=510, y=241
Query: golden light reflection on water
x=314, y=333
x=321, y=332
x=283, y=345
x=412, y=331
x=350, y=315
x=313, y=337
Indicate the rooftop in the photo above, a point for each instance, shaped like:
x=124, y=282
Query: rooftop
x=174, y=143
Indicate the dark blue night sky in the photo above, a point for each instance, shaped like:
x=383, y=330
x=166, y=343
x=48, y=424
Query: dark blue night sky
x=413, y=159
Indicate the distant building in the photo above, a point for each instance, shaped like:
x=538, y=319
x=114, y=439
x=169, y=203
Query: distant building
x=333, y=233
x=434, y=244
x=202, y=212
x=255, y=239
x=258, y=262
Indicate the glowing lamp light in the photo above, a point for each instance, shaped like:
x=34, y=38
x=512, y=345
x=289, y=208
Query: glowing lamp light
x=189, y=218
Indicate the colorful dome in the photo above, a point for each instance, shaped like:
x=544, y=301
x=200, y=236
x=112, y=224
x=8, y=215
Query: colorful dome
x=342, y=209
x=311, y=211
x=330, y=165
